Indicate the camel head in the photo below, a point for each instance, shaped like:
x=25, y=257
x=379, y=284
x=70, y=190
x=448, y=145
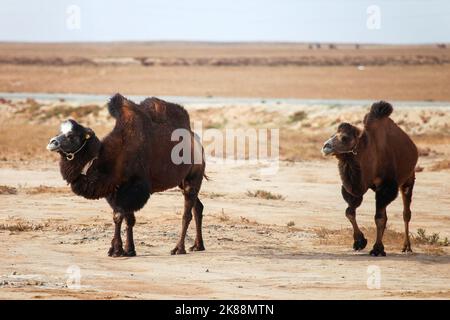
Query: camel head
x=72, y=139
x=345, y=140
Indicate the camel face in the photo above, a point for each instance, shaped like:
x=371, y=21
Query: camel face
x=71, y=138
x=343, y=141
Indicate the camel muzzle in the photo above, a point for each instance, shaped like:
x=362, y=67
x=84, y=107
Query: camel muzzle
x=327, y=148
x=53, y=145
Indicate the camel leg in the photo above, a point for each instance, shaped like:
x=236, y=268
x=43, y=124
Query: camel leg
x=406, y=191
x=198, y=216
x=129, y=243
x=116, y=249
x=190, y=197
x=354, y=202
x=384, y=195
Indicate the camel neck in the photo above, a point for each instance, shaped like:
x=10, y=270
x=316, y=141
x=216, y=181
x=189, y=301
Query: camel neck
x=350, y=167
x=71, y=169
x=350, y=172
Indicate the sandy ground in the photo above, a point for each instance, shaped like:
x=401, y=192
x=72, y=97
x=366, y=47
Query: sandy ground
x=251, y=252
x=297, y=247
x=234, y=70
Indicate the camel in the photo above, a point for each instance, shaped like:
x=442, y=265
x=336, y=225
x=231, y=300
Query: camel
x=132, y=162
x=380, y=157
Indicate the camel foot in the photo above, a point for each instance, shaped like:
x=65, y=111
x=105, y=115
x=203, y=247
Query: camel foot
x=130, y=253
x=407, y=249
x=197, y=247
x=115, y=252
x=359, y=244
x=378, y=250
x=178, y=250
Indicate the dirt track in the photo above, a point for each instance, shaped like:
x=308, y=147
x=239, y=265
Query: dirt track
x=251, y=253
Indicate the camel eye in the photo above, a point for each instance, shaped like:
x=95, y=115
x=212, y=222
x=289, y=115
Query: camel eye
x=345, y=139
x=71, y=137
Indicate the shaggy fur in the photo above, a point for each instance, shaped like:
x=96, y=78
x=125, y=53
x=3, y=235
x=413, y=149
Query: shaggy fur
x=134, y=161
x=381, y=157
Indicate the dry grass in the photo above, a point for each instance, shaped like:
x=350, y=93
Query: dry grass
x=267, y=195
x=301, y=133
x=8, y=190
x=344, y=237
x=298, y=145
x=298, y=116
x=441, y=165
x=223, y=216
x=434, y=239
x=64, y=111
x=47, y=189
x=20, y=141
x=36, y=111
x=20, y=225
x=212, y=195
x=24, y=141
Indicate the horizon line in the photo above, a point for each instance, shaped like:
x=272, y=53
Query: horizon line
x=222, y=42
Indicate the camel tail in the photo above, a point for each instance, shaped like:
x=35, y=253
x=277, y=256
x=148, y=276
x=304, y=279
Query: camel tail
x=381, y=109
x=206, y=177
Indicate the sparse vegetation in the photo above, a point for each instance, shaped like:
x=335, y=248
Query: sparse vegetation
x=298, y=116
x=7, y=190
x=433, y=239
x=35, y=110
x=63, y=111
x=217, y=125
x=291, y=224
x=441, y=165
x=264, y=195
x=223, y=216
x=212, y=195
x=245, y=220
x=46, y=189
x=344, y=236
x=19, y=225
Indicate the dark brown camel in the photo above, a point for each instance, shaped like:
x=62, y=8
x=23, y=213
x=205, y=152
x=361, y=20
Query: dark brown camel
x=381, y=157
x=132, y=162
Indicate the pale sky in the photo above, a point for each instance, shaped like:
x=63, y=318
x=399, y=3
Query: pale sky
x=399, y=21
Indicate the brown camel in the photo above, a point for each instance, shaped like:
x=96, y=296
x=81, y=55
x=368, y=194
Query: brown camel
x=132, y=162
x=381, y=157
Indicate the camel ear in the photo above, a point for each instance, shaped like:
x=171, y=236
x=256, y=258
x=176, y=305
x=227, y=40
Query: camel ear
x=89, y=133
x=359, y=133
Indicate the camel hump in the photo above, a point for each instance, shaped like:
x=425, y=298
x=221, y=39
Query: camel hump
x=156, y=108
x=118, y=105
x=381, y=109
x=162, y=111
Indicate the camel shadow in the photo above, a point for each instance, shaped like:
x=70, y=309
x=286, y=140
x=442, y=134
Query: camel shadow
x=360, y=256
